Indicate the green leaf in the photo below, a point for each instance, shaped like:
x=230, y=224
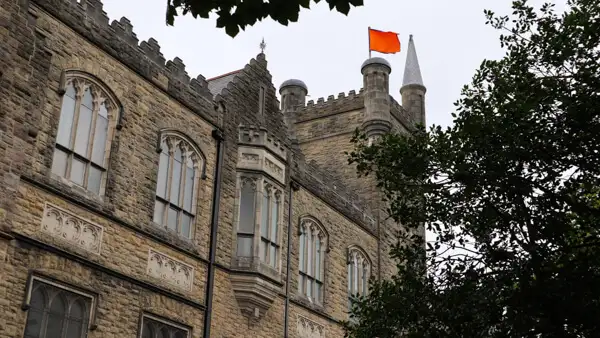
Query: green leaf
x=248, y=12
x=515, y=180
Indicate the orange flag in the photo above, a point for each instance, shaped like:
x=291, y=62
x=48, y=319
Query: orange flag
x=383, y=42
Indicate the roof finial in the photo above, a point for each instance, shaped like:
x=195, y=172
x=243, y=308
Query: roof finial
x=412, y=71
x=262, y=46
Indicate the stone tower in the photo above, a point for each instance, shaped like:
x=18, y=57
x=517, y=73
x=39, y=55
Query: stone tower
x=181, y=203
x=413, y=90
x=376, y=83
x=293, y=96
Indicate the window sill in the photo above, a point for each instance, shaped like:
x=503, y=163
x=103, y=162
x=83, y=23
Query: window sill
x=170, y=237
x=253, y=264
x=309, y=303
x=68, y=187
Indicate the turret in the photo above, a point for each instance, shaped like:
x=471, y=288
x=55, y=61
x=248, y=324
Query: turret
x=293, y=96
x=376, y=82
x=413, y=90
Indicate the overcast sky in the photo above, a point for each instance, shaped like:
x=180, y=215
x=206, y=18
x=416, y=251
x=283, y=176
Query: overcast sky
x=325, y=49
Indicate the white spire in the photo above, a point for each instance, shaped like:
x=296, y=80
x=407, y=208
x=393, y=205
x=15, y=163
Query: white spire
x=412, y=72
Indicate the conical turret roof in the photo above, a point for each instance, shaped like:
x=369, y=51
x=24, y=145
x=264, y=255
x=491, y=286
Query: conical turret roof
x=412, y=71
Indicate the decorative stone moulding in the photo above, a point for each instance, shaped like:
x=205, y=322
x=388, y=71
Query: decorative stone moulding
x=170, y=270
x=309, y=329
x=253, y=294
x=260, y=159
x=255, y=136
x=71, y=229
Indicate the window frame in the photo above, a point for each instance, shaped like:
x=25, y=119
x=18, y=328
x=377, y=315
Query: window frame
x=163, y=320
x=101, y=94
x=312, y=278
x=261, y=185
x=357, y=260
x=173, y=140
x=91, y=308
x=275, y=198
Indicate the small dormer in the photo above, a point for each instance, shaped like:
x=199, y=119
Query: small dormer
x=258, y=222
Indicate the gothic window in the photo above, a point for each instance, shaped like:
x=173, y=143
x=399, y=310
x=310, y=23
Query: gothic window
x=86, y=126
x=313, y=244
x=177, y=184
x=55, y=312
x=359, y=271
x=246, y=217
x=154, y=328
x=269, y=225
x=259, y=219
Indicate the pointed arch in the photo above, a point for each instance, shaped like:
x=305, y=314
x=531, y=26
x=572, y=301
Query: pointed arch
x=313, y=245
x=307, y=220
x=50, y=308
x=356, y=249
x=173, y=134
x=153, y=326
x=90, y=115
x=359, y=272
x=68, y=74
x=182, y=164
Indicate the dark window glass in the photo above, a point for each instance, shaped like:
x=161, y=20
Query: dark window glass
x=152, y=328
x=56, y=313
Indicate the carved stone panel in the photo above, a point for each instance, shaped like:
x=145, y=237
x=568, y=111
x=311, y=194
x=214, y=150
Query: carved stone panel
x=170, y=270
x=274, y=169
x=261, y=160
x=250, y=158
x=72, y=229
x=309, y=329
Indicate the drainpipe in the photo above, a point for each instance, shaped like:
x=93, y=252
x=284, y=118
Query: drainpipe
x=217, y=134
x=293, y=187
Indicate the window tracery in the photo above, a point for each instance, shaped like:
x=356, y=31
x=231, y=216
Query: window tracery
x=55, y=312
x=259, y=219
x=88, y=119
x=359, y=272
x=312, y=249
x=179, y=170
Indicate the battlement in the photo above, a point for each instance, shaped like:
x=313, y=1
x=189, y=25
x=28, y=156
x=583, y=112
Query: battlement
x=407, y=120
x=333, y=190
x=332, y=105
x=118, y=39
x=258, y=136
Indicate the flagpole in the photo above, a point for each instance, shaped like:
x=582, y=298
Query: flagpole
x=369, y=33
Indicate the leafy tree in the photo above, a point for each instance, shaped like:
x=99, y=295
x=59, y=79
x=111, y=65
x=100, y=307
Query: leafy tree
x=510, y=192
x=234, y=15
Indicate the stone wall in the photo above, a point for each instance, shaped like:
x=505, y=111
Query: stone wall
x=116, y=256
x=121, y=300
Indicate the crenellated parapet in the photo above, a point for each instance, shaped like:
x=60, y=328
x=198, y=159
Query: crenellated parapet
x=403, y=116
x=259, y=137
x=332, y=105
x=332, y=189
x=118, y=39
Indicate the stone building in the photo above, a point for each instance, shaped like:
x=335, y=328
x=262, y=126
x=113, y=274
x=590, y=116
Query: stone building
x=136, y=201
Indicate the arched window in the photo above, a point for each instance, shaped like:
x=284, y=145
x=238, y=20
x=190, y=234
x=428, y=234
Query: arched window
x=88, y=119
x=56, y=313
x=259, y=219
x=359, y=272
x=313, y=246
x=155, y=328
x=246, y=217
x=269, y=225
x=179, y=171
